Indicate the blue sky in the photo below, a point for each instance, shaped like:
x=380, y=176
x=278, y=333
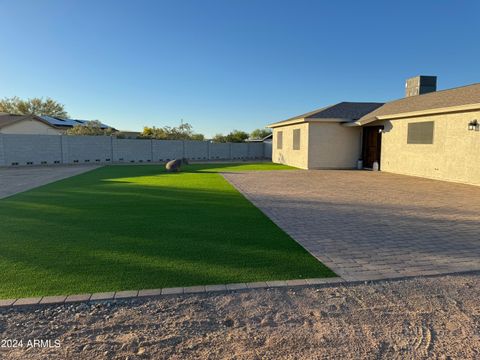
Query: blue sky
x=229, y=64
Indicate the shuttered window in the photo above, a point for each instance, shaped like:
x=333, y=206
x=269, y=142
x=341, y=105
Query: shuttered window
x=296, y=139
x=279, y=140
x=420, y=133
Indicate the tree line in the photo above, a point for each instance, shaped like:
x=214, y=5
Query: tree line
x=50, y=107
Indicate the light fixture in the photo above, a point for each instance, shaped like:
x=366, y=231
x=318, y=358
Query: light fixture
x=473, y=125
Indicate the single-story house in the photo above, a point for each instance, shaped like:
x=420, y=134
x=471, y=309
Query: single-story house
x=27, y=124
x=37, y=125
x=429, y=133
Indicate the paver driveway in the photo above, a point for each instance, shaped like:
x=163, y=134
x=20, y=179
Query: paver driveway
x=372, y=225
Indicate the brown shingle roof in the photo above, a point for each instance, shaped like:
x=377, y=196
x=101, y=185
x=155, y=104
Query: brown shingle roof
x=465, y=95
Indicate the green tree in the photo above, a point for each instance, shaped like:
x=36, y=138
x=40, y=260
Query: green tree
x=237, y=136
x=198, y=137
x=35, y=106
x=259, y=134
x=182, y=132
x=219, y=138
x=91, y=128
x=154, y=133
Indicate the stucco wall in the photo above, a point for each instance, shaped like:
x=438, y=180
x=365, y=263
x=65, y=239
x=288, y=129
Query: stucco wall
x=286, y=155
x=453, y=156
x=30, y=127
x=333, y=146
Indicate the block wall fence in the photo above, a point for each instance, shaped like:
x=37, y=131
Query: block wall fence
x=21, y=150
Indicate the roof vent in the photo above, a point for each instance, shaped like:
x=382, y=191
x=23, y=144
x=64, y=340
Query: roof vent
x=419, y=85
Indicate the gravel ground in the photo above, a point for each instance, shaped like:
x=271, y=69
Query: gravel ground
x=417, y=318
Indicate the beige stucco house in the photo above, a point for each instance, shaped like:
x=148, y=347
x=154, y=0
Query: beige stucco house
x=26, y=124
x=432, y=134
x=38, y=125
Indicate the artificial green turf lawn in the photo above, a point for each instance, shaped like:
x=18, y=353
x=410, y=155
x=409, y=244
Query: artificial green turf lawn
x=137, y=227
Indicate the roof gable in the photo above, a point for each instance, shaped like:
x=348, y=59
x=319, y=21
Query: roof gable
x=9, y=119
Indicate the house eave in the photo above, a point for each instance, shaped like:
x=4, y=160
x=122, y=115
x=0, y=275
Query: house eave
x=410, y=114
x=28, y=117
x=307, y=120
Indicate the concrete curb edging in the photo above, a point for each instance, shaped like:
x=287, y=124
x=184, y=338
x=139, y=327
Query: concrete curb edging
x=132, y=294
x=202, y=289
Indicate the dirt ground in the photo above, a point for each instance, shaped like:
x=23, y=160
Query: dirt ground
x=417, y=318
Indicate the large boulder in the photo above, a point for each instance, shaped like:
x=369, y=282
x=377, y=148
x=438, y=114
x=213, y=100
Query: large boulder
x=174, y=165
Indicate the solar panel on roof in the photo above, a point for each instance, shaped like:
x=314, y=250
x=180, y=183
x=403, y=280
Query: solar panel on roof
x=53, y=121
x=71, y=122
x=68, y=122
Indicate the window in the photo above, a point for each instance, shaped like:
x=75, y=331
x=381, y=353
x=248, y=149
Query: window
x=420, y=133
x=296, y=139
x=279, y=140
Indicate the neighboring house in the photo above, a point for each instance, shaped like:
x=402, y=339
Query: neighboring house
x=26, y=124
x=429, y=133
x=37, y=125
x=266, y=139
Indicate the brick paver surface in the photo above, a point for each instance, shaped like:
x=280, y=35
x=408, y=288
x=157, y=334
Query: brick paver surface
x=372, y=225
x=14, y=180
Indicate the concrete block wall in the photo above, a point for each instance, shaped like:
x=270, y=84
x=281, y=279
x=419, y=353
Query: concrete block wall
x=166, y=150
x=87, y=149
x=239, y=151
x=219, y=151
x=267, y=150
x=56, y=149
x=2, y=156
x=132, y=150
x=196, y=150
x=255, y=150
x=32, y=149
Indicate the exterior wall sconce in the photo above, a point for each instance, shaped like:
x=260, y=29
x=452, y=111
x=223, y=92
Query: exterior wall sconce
x=474, y=125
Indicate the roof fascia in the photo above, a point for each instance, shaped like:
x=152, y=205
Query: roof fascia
x=444, y=110
x=308, y=120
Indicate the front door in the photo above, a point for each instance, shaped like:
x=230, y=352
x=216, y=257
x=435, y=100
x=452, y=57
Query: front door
x=372, y=143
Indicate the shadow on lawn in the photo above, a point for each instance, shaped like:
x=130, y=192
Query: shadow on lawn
x=90, y=234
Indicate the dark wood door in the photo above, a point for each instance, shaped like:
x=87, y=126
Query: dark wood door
x=372, y=143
